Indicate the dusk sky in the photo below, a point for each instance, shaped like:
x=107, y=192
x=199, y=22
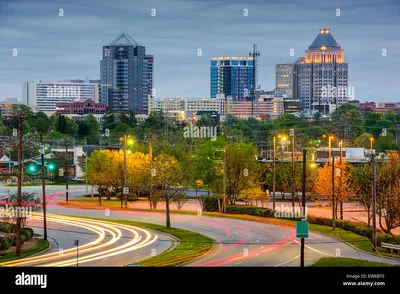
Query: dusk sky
x=52, y=47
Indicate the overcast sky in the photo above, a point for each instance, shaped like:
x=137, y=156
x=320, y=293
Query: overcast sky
x=52, y=47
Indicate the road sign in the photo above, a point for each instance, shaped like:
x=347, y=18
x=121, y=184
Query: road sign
x=76, y=242
x=302, y=229
x=126, y=190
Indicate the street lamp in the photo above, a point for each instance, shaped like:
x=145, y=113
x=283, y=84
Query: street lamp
x=330, y=146
x=370, y=144
x=283, y=140
x=273, y=180
x=124, y=139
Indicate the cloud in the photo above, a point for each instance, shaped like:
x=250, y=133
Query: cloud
x=51, y=47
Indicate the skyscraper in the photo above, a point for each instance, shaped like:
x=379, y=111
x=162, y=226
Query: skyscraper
x=284, y=76
x=232, y=76
x=126, y=74
x=321, y=77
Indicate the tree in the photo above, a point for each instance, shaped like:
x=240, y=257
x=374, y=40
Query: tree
x=171, y=176
x=342, y=184
x=206, y=120
x=41, y=123
x=83, y=128
x=65, y=125
x=348, y=117
x=362, y=187
x=363, y=141
x=242, y=169
x=387, y=193
x=94, y=129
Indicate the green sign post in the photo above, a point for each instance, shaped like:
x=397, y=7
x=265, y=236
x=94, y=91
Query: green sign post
x=302, y=229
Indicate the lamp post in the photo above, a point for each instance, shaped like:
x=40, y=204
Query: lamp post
x=125, y=195
x=273, y=180
x=370, y=145
x=329, y=146
x=283, y=140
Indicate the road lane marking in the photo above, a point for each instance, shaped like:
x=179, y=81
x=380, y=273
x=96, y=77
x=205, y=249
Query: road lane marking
x=288, y=261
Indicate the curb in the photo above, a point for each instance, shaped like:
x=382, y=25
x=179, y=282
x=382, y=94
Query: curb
x=361, y=250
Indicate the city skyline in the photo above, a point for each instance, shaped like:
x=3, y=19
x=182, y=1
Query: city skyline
x=176, y=32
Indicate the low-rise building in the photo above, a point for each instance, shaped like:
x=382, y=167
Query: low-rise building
x=81, y=107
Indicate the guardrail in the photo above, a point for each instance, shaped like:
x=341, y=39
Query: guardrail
x=392, y=247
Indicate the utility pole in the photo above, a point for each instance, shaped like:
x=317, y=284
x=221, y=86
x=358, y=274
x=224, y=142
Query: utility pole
x=42, y=150
x=224, y=204
x=333, y=192
x=20, y=118
x=86, y=174
x=273, y=184
x=340, y=186
x=125, y=195
x=19, y=192
x=293, y=172
x=374, y=239
x=303, y=203
x=66, y=170
x=254, y=54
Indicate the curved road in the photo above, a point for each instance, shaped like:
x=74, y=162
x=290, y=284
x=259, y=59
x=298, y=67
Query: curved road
x=238, y=242
x=100, y=243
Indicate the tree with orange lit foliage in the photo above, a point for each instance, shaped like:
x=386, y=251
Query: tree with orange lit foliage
x=342, y=184
x=388, y=193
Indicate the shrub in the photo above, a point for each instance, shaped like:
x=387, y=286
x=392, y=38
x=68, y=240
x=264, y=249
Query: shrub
x=27, y=232
x=250, y=210
x=211, y=203
x=14, y=239
x=131, y=196
x=5, y=243
x=5, y=227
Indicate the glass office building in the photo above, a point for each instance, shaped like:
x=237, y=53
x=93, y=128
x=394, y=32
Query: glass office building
x=232, y=76
x=126, y=74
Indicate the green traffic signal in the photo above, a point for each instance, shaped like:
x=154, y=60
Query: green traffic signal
x=52, y=166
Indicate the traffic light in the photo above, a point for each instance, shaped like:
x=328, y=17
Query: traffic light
x=51, y=166
x=32, y=168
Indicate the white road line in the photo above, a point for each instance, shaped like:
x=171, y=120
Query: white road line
x=315, y=249
x=288, y=261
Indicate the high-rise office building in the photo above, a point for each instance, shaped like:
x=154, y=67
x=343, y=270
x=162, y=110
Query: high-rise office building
x=232, y=76
x=43, y=96
x=126, y=74
x=321, y=77
x=284, y=76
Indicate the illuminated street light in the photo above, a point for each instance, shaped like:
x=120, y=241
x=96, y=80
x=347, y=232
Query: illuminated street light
x=370, y=141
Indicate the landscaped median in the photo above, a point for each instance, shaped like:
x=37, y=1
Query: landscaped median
x=191, y=245
x=30, y=244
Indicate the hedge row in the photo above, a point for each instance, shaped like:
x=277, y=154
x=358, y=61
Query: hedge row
x=211, y=204
x=251, y=210
x=6, y=227
x=358, y=228
x=8, y=241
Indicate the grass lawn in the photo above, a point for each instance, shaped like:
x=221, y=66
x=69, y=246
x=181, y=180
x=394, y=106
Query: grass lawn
x=40, y=245
x=347, y=262
x=191, y=245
